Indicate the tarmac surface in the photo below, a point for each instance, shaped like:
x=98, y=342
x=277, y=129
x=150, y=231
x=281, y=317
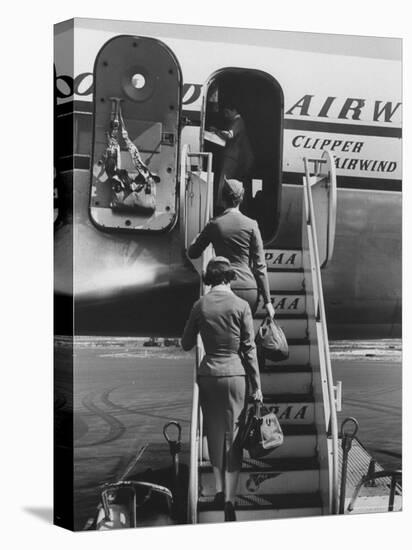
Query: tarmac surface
x=372, y=393
x=124, y=394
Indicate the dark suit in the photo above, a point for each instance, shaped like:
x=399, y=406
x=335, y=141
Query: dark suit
x=237, y=158
x=237, y=238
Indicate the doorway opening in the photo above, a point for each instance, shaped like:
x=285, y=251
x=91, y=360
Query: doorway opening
x=258, y=99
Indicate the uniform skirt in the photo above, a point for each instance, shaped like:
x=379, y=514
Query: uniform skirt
x=223, y=402
x=251, y=295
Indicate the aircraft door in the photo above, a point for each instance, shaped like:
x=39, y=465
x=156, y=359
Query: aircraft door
x=137, y=105
x=249, y=102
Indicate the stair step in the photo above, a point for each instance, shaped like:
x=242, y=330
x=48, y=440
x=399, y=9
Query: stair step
x=271, y=464
x=286, y=280
x=291, y=409
x=300, y=440
x=289, y=379
x=217, y=516
x=283, y=259
x=284, y=397
x=285, y=303
x=260, y=483
x=268, y=477
x=294, y=327
x=298, y=355
x=253, y=507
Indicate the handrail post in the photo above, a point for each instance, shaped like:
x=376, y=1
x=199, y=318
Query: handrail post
x=392, y=494
x=347, y=437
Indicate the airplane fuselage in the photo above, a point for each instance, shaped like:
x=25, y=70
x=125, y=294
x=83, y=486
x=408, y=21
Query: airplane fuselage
x=129, y=282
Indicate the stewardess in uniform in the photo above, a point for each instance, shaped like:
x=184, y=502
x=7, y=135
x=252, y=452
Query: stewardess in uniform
x=237, y=238
x=229, y=366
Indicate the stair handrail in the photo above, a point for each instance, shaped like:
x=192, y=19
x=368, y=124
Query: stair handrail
x=194, y=447
x=196, y=417
x=184, y=194
x=330, y=181
x=183, y=181
x=321, y=318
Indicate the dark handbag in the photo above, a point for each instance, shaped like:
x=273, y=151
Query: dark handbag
x=271, y=341
x=261, y=432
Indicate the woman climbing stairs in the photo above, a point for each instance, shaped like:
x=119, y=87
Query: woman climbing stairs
x=285, y=483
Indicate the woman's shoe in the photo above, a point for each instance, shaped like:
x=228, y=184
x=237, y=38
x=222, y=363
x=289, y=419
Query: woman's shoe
x=219, y=500
x=229, y=511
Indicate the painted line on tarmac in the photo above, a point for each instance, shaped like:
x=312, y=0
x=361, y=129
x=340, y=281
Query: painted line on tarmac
x=143, y=411
x=116, y=428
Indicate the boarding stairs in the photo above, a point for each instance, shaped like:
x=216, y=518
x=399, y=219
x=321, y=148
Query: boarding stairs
x=300, y=478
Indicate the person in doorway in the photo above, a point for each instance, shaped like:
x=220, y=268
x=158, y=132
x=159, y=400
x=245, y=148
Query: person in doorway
x=237, y=158
x=225, y=324
x=237, y=237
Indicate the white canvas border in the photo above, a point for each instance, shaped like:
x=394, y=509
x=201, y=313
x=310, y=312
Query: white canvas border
x=27, y=271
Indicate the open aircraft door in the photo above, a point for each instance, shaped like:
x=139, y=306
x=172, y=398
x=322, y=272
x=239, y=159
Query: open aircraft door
x=257, y=98
x=137, y=106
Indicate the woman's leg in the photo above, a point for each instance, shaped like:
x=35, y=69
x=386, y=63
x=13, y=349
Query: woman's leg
x=219, y=479
x=223, y=400
x=237, y=400
x=231, y=481
x=213, y=406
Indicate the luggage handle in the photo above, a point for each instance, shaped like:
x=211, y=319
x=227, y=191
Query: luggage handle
x=264, y=325
x=258, y=409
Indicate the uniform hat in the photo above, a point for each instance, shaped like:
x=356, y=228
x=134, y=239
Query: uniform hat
x=233, y=188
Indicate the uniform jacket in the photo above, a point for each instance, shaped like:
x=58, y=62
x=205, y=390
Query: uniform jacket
x=225, y=324
x=237, y=238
